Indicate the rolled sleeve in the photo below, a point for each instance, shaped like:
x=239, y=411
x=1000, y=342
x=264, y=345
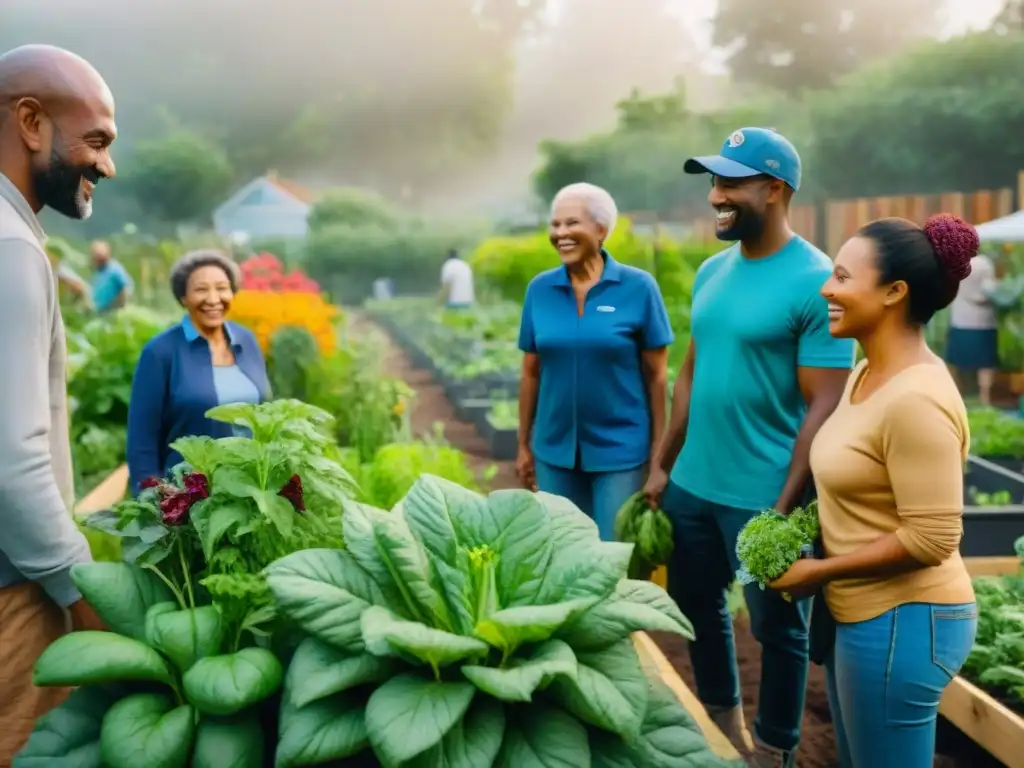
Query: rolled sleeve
x=40, y=537
x=527, y=340
x=657, y=330
x=924, y=443
x=816, y=346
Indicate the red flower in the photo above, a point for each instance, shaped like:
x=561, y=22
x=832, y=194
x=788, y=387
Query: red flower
x=293, y=492
x=150, y=482
x=197, y=486
x=175, y=508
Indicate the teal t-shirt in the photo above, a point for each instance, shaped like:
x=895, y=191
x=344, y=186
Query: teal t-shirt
x=753, y=323
x=107, y=284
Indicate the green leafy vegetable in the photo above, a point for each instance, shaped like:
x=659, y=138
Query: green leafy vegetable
x=649, y=530
x=770, y=543
x=490, y=631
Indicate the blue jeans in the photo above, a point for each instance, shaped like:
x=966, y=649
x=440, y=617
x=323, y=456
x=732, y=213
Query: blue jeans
x=702, y=569
x=886, y=676
x=598, y=494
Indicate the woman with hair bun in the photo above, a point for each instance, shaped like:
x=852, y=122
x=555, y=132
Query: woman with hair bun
x=888, y=465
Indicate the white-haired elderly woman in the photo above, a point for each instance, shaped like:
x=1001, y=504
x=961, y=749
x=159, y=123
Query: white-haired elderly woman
x=595, y=337
x=203, y=361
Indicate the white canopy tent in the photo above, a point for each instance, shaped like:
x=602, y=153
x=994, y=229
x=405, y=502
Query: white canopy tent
x=1008, y=229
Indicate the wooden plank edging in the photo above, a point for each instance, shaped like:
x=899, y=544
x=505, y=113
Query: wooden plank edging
x=992, y=566
x=652, y=658
x=985, y=721
x=106, y=494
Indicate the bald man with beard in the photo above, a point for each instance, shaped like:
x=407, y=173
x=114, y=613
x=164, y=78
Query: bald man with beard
x=56, y=128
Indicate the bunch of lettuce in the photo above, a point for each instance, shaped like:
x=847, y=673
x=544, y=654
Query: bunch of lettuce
x=466, y=631
x=770, y=543
x=649, y=530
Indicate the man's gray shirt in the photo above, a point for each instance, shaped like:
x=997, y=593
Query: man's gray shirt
x=39, y=540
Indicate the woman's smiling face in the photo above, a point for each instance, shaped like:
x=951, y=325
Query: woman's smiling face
x=573, y=231
x=208, y=296
x=856, y=301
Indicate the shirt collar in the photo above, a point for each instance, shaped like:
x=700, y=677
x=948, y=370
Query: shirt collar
x=192, y=333
x=13, y=195
x=612, y=271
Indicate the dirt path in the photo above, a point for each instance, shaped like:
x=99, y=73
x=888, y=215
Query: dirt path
x=817, y=749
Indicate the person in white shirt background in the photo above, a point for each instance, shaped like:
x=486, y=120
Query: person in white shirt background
x=972, y=345
x=457, y=282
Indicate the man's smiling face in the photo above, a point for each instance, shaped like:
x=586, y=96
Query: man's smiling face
x=740, y=205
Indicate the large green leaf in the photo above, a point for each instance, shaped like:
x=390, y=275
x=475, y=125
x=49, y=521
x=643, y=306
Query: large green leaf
x=235, y=742
x=216, y=517
x=668, y=739
x=471, y=743
x=518, y=528
x=384, y=634
x=408, y=565
x=361, y=544
x=524, y=675
x=224, y=685
x=146, y=730
x=278, y=510
x=421, y=710
x=121, y=594
x=185, y=636
x=317, y=671
x=636, y=606
x=325, y=592
x=538, y=736
x=510, y=628
x=585, y=570
x=326, y=730
x=92, y=658
x=610, y=689
x=69, y=736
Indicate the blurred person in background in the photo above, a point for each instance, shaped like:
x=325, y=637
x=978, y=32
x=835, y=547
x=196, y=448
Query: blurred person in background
x=56, y=127
x=111, y=284
x=761, y=375
x=889, y=465
x=595, y=335
x=69, y=281
x=972, y=345
x=457, y=282
x=202, y=362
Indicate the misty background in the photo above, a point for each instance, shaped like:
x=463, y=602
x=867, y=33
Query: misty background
x=450, y=106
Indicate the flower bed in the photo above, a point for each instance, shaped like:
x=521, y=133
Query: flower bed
x=485, y=630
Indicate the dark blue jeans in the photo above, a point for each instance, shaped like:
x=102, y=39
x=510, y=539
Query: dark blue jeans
x=598, y=494
x=703, y=567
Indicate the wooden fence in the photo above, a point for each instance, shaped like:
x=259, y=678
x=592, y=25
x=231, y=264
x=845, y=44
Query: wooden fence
x=831, y=223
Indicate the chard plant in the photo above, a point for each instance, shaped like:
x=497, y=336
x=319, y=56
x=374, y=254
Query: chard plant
x=466, y=631
x=187, y=675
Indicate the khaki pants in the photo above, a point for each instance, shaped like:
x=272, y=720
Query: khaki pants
x=29, y=622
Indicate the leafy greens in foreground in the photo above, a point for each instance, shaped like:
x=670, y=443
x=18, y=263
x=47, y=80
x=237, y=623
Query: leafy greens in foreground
x=466, y=631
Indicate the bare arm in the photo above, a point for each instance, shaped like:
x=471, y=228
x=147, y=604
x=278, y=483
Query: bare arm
x=529, y=386
x=654, y=362
x=675, y=435
x=822, y=389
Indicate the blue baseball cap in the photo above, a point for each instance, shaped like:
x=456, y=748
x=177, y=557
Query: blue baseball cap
x=749, y=152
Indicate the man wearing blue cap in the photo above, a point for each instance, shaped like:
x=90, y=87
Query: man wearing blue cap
x=761, y=376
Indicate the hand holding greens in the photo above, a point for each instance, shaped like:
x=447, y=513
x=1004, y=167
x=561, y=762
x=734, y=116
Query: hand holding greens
x=770, y=543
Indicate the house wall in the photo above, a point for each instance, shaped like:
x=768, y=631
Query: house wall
x=262, y=210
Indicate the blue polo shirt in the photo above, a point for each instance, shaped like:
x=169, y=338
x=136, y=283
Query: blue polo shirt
x=753, y=323
x=175, y=384
x=593, y=402
x=107, y=284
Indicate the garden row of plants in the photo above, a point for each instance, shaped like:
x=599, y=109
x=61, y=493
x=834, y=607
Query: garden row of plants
x=261, y=615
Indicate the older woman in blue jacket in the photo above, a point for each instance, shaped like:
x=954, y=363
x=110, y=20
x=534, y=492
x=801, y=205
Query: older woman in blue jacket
x=203, y=361
x=595, y=334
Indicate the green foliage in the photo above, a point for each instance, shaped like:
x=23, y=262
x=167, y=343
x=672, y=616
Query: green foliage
x=352, y=208
x=293, y=353
x=995, y=433
x=178, y=179
x=395, y=468
x=650, y=533
x=770, y=543
x=492, y=631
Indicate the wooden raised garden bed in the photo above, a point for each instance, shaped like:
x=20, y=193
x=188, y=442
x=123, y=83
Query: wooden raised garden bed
x=106, y=494
x=985, y=720
x=654, y=661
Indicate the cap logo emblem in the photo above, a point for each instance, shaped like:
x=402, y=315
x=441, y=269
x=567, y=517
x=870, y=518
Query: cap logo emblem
x=773, y=164
x=736, y=139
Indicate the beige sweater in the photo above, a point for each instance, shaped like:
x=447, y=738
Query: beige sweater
x=39, y=540
x=893, y=463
